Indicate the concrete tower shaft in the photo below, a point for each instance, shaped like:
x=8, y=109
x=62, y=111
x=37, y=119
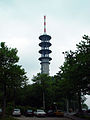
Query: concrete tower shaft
x=45, y=44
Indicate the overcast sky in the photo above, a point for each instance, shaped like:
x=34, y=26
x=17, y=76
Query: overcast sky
x=21, y=23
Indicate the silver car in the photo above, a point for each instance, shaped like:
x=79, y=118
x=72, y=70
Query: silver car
x=16, y=112
x=40, y=113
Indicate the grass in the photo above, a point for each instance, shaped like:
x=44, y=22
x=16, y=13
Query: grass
x=85, y=116
x=8, y=118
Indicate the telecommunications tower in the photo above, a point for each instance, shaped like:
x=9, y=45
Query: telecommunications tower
x=45, y=44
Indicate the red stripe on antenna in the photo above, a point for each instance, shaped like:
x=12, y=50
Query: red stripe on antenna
x=44, y=17
x=44, y=24
x=44, y=30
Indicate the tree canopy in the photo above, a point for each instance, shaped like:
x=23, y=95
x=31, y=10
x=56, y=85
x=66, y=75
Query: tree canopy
x=75, y=71
x=12, y=75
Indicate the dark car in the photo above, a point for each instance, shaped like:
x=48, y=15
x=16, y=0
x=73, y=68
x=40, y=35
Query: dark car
x=50, y=113
x=29, y=113
x=88, y=111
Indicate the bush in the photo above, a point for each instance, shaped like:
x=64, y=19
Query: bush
x=9, y=108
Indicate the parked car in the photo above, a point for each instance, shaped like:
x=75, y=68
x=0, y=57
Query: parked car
x=0, y=111
x=88, y=111
x=16, y=112
x=29, y=113
x=59, y=113
x=50, y=113
x=40, y=113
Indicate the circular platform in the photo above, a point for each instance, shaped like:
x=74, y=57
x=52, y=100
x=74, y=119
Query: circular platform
x=41, y=58
x=45, y=37
x=45, y=44
x=45, y=51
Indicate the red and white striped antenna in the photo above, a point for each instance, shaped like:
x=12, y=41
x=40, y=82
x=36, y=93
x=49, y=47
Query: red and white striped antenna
x=44, y=24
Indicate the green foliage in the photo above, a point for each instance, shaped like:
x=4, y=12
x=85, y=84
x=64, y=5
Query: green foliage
x=42, y=84
x=75, y=72
x=12, y=76
x=84, y=106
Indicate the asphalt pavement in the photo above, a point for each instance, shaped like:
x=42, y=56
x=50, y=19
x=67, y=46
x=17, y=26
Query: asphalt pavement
x=43, y=118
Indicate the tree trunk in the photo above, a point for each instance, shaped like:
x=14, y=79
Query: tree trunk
x=67, y=105
x=4, y=100
x=14, y=97
x=43, y=101
x=79, y=101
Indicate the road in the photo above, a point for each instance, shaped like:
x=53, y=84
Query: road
x=47, y=118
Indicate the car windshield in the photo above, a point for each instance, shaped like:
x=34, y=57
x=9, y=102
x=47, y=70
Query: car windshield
x=29, y=110
x=59, y=111
x=0, y=110
x=40, y=110
x=50, y=111
x=16, y=109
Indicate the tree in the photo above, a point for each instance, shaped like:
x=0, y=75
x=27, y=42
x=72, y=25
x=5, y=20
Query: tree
x=65, y=89
x=11, y=74
x=43, y=81
x=76, y=71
